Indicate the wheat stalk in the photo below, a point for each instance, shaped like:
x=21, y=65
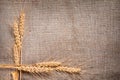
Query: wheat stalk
x=40, y=69
x=15, y=75
x=16, y=48
x=16, y=54
x=7, y=66
x=28, y=68
x=18, y=28
x=21, y=32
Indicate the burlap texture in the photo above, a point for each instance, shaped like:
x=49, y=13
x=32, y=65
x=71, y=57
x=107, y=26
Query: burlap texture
x=76, y=32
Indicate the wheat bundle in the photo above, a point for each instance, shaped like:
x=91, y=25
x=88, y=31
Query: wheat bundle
x=18, y=30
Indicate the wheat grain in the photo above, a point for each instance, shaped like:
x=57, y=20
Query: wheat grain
x=49, y=64
x=68, y=69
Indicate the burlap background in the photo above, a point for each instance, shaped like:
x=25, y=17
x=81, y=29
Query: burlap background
x=76, y=32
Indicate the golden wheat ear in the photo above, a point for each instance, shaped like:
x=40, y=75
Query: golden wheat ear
x=68, y=69
x=21, y=23
x=48, y=64
x=16, y=34
x=34, y=69
x=17, y=44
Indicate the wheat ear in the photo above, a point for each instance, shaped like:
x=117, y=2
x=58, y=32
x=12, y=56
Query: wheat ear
x=16, y=48
x=21, y=23
x=27, y=68
x=21, y=32
x=34, y=69
x=16, y=34
x=68, y=69
x=48, y=64
x=17, y=45
x=38, y=69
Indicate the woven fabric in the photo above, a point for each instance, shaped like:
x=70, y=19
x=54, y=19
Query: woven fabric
x=81, y=33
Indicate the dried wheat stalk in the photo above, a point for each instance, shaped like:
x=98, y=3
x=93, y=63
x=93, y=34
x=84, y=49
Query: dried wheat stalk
x=7, y=66
x=16, y=54
x=21, y=32
x=18, y=29
x=28, y=68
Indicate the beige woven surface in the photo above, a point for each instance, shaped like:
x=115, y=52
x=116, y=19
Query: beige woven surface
x=75, y=32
